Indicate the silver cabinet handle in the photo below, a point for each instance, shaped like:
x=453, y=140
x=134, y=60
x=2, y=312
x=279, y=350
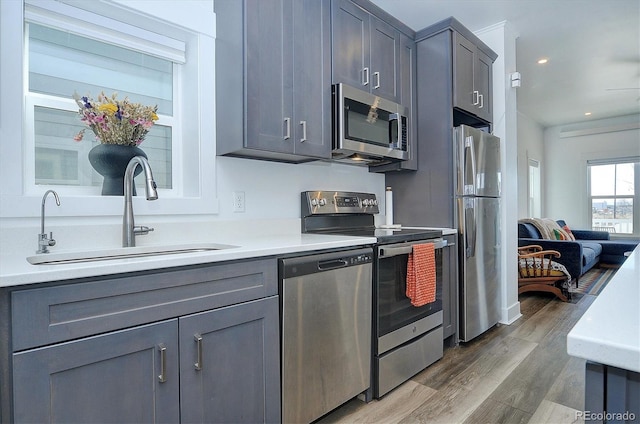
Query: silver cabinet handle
x=198, y=364
x=377, y=75
x=481, y=96
x=163, y=363
x=287, y=133
x=476, y=98
x=304, y=131
x=365, y=76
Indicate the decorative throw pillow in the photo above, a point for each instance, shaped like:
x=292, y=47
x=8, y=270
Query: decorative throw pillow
x=558, y=235
x=569, y=233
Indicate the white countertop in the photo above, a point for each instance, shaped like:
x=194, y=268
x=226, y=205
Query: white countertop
x=609, y=331
x=15, y=270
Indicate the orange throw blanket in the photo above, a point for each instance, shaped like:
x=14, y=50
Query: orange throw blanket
x=421, y=275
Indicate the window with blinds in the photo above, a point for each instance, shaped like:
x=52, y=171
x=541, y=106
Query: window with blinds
x=61, y=63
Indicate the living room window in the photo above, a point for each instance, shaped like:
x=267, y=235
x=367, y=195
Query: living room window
x=613, y=192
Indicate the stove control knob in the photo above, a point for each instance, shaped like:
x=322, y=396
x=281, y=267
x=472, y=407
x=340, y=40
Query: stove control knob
x=323, y=202
x=375, y=202
x=314, y=202
x=365, y=202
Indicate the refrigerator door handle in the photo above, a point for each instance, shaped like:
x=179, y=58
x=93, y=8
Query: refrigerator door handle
x=469, y=150
x=470, y=227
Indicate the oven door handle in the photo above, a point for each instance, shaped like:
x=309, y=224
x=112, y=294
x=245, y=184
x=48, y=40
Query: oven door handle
x=388, y=252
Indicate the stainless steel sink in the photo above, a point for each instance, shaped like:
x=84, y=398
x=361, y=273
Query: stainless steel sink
x=123, y=253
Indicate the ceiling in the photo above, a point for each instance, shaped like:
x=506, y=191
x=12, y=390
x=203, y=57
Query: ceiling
x=593, y=47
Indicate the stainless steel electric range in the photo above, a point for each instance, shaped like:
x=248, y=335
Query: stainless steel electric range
x=405, y=339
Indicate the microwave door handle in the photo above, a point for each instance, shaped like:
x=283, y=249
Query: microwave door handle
x=395, y=117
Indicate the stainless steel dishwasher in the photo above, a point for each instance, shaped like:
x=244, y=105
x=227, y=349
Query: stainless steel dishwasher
x=326, y=331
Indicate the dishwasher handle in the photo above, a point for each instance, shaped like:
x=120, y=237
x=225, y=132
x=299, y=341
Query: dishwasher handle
x=332, y=264
x=324, y=262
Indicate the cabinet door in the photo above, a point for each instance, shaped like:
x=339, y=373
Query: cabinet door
x=483, y=84
x=268, y=79
x=119, y=377
x=229, y=364
x=385, y=53
x=465, y=95
x=351, y=45
x=312, y=78
x=407, y=96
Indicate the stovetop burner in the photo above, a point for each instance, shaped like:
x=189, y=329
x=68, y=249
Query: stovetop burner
x=351, y=213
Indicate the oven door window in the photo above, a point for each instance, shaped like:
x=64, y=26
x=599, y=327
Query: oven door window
x=394, y=307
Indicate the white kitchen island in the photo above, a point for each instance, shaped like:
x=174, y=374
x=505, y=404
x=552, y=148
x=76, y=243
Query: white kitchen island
x=608, y=337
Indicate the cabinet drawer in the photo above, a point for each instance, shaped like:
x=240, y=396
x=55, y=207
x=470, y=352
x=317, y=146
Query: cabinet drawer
x=48, y=315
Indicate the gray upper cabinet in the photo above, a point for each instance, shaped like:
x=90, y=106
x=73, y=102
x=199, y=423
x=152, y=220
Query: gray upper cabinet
x=407, y=77
x=472, y=78
x=366, y=51
x=273, y=87
x=438, y=114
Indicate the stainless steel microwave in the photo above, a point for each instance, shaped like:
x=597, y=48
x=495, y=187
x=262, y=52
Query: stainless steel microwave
x=368, y=129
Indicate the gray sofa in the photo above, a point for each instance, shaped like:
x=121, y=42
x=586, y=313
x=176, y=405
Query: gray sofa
x=588, y=250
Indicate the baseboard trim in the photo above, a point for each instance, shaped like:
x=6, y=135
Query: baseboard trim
x=511, y=314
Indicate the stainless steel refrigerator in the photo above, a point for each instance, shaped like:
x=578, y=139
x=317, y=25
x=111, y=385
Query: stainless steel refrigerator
x=477, y=197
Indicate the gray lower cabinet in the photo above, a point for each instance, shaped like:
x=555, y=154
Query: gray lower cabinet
x=193, y=344
x=273, y=79
x=125, y=376
x=612, y=394
x=226, y=364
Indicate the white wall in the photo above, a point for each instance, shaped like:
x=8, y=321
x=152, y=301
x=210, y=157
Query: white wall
x=272, y=190
x=530, y=146
x=568, y=148
x=502, y=39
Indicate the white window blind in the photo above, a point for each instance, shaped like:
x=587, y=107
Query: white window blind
x=62, y=63
x=98, y=27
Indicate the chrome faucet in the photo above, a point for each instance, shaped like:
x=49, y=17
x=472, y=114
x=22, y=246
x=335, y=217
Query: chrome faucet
x=129, y=230
x=43, y=241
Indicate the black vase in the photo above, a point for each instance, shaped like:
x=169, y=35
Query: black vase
x=110, y=161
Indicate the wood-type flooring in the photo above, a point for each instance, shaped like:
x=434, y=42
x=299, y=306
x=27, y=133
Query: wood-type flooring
x=518, y=373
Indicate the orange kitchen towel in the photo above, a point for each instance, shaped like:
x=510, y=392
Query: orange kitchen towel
x=421, y=275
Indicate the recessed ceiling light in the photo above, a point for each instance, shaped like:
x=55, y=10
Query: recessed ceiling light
x=542, y=61
x=587, y=114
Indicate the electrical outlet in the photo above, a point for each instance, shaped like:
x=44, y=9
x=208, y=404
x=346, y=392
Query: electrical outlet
x=238, y=201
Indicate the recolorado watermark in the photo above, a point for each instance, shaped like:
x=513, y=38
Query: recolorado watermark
x=606, y=416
